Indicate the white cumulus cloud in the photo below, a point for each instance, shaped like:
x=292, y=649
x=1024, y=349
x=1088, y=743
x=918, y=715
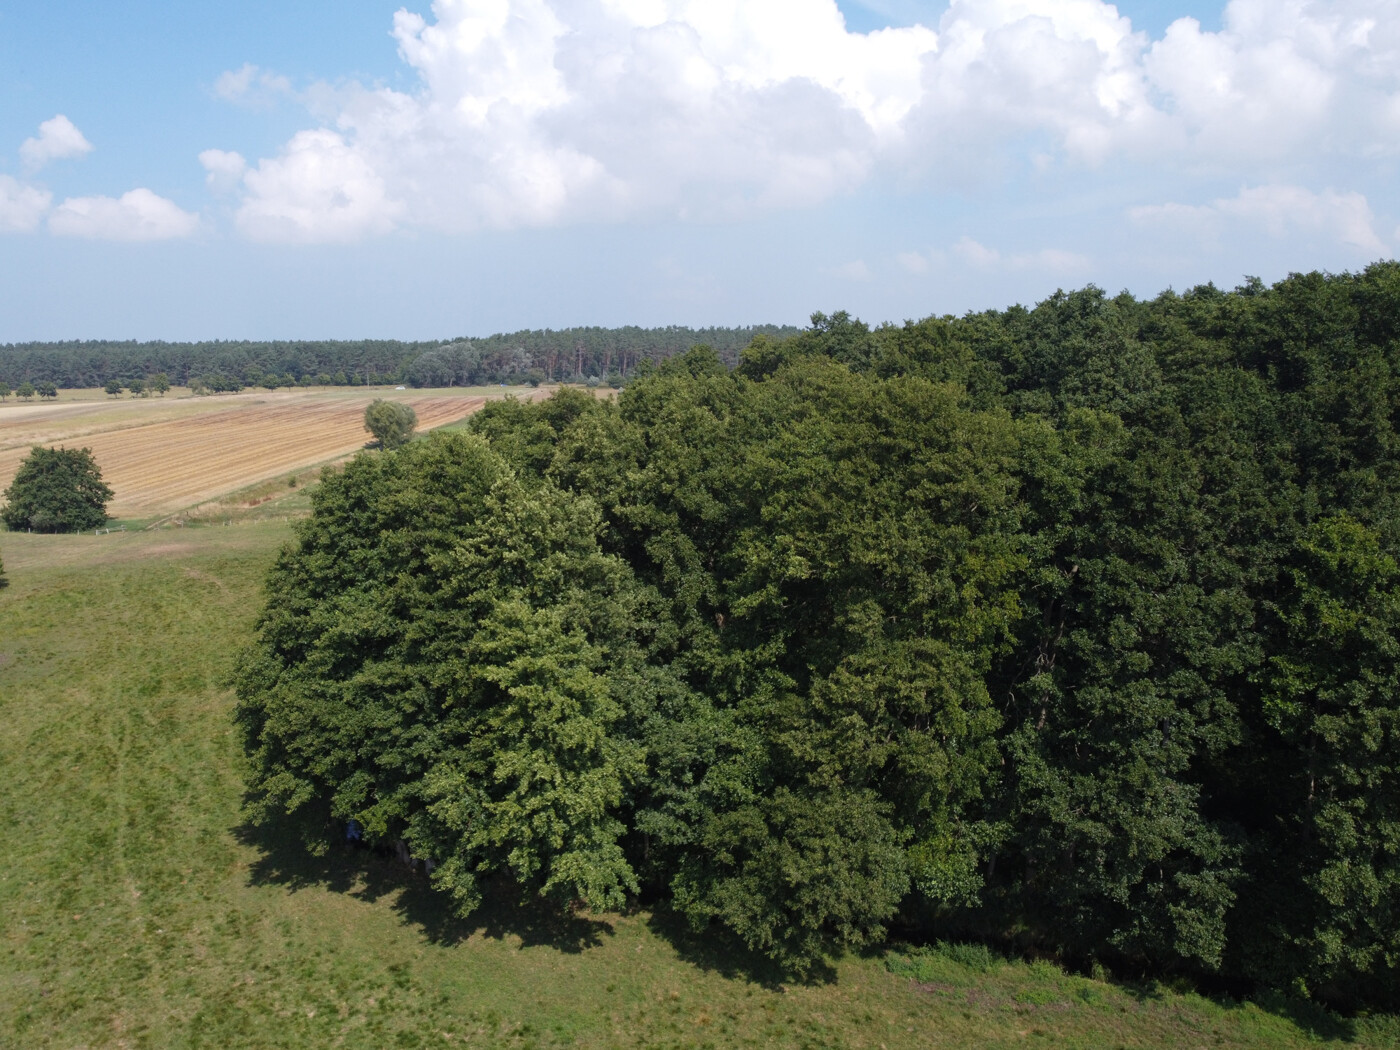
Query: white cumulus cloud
x=318, y=190
x=22, y=207
x=138, y=215
x=58, y=139
x=1278, y=211
x=224, y=169
x=252, y=86
x=540, y=112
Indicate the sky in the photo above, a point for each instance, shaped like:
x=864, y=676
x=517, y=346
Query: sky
x=351, y=168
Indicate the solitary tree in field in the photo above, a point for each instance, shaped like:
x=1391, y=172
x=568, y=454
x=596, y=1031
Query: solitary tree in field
x=160, y=383
x=25, y=390
x=57, y=490
x=391, y=422
x=113, y=387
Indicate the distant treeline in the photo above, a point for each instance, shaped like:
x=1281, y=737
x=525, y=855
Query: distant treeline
x=1076, y=628
x=543, y=355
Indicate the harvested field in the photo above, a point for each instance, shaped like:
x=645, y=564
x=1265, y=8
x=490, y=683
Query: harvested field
x=160, y=458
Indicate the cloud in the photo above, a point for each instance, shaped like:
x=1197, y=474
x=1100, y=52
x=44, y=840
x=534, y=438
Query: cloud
x=138, y=215
x=22, y=207
x=856, y=270
x=912, y=261
x=318, y=190
x=252, y=86
x=542, y=112
x=58, y=139
x=1046, y=260
x=224, y=169
x=1278, y=211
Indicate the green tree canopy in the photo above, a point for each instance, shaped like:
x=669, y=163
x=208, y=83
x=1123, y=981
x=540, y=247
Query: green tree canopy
x=391, y=422
x=483, y=720
x=57, y=490
x=1076, y=626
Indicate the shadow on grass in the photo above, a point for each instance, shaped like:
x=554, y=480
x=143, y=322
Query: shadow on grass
x=716, y=950
x=1316, y=1020
x=991, y=956
x=505, y=911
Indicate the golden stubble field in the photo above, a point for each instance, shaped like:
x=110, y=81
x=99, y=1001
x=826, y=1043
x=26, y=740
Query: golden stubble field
x=163, y=455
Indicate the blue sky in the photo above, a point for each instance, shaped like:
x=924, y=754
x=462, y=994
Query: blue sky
x=353, y=168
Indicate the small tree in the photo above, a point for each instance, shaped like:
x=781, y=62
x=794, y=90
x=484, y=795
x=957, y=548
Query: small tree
x=49, y=390
x=113, y=387
x=391, y=422
x=137, y=387
x=5, y=390
x=160, y=383
x=57, y=490
x=25, y=390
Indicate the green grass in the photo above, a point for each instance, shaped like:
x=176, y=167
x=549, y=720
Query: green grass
x=137, y=910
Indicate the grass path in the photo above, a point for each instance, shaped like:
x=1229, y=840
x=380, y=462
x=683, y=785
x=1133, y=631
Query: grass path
x=136, y=910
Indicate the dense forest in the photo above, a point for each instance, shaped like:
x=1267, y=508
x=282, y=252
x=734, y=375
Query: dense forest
x=1072, y=628
x=543, y=356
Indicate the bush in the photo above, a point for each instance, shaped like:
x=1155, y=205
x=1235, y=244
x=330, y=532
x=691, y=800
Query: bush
x=57, y=490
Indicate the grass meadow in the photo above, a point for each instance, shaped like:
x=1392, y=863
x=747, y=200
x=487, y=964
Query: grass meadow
x=137, y=909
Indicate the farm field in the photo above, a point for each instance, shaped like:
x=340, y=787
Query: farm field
x=161, y=455
x=137, y=909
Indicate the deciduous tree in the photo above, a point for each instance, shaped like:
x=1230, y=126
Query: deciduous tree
x=391, y=422
x=57, y=490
